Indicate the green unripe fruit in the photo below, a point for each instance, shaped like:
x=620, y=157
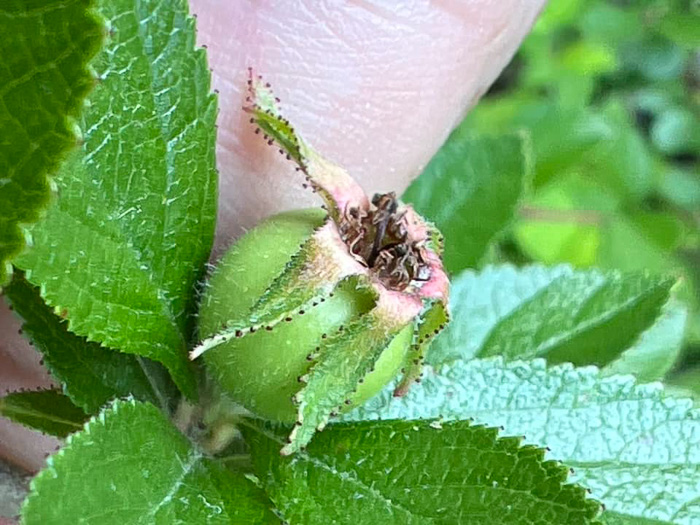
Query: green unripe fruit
x=261, y=370
x=314, y=312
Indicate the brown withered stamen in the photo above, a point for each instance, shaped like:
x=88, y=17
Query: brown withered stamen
x=378, y=238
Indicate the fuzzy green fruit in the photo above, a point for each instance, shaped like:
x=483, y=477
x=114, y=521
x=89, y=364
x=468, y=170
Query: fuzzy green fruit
x=261, y=370
x=313, y=312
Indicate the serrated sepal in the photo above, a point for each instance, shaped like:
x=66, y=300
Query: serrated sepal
x=312, y=273
x=345, y=360
x=430, y=323
x=337, y=188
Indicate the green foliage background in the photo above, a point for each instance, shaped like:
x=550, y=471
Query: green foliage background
x=609, y=92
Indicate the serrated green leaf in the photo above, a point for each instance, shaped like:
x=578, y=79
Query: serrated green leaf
x=635, y=448
x=43, y=81
x=131, y=465
x=589, y=318
x=406, y=472
x=331, y=182
x=584, y=317
x=90, y=374
x=123, y=247
x=479, y=300
x=470, y=190
x=47, y=411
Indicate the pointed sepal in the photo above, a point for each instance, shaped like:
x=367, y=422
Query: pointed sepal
x=321, y=263
x=343, y=363
x=338, y=189
x=435, y=240
x=430, y=323
x=312, y=273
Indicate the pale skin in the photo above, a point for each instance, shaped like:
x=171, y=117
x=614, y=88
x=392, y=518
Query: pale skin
x=373, y=86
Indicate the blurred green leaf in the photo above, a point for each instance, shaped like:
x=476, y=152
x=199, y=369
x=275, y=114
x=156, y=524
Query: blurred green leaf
x=560, y=136
x=563, y=222
x=609, y=24
x=625, y=246
x=563, y=315
x=559, y=13
x=682, y=29
x=551, y=240
x=47, y=411
x=676, y=131
x=653, y=98
x=665, y=230
x=573, y=219
x=471, y=190
x=655, y=58
x=588, y=58
x=623, y=162
x=682, y=188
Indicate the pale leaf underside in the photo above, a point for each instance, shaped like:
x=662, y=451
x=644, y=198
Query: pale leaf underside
x=635, y=448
